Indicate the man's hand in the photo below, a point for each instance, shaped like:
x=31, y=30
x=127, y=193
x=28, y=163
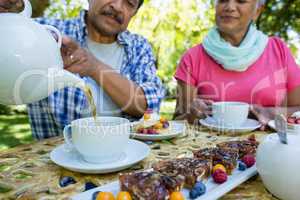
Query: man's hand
x=76, y=59
x=11, y=6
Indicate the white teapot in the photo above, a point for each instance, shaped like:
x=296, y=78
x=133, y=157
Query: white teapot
x=278, y=165
x=31, y=65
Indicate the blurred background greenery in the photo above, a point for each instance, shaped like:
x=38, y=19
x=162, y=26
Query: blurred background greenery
x=171, y=26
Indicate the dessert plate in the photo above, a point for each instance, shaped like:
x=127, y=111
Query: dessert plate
x=248, y=126
x=291, y=128
x=135, y=152
x=213, y=190
x=175, y=129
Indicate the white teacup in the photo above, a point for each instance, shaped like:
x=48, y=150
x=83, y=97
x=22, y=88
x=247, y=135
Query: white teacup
x=98, y=141
x=232, y=114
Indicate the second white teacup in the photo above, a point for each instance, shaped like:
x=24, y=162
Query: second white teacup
x=98, y=141
x=232, y=114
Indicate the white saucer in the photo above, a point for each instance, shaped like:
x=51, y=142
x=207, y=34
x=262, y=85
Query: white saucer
x=291, y=128
x=248, y=126
x=71, y=160
x=175, y=129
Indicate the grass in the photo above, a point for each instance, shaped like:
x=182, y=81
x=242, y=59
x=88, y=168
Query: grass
x=15, y=129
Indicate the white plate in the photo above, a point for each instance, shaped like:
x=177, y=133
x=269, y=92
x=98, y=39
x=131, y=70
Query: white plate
x=248, y=126
x=175, y=129
x=291, y=128
x=71, y=160
x=213, y=190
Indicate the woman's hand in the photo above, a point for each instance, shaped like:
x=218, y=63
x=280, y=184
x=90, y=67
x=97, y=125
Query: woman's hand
x=263, y=114
x=199, y=108
x=11, y=6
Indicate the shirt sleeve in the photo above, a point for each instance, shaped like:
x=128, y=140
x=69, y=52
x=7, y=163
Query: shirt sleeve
x=49, y=116
x=145, y=75
x=184, y=71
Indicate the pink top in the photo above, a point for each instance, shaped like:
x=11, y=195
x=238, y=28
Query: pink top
x=266, y=82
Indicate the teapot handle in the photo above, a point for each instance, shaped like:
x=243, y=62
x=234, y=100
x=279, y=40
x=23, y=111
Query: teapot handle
x=57, y=33
x=27, y=12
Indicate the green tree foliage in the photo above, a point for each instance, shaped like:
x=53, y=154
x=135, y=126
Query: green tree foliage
x=172, y=27
x=280, y=16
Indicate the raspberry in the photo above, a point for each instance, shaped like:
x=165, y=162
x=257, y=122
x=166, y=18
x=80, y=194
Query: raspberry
x=219, y=176
x=249, y=160
x=298, y=121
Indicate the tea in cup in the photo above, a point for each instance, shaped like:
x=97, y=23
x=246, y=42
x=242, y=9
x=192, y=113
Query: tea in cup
x=232, y=114
x=98, y=140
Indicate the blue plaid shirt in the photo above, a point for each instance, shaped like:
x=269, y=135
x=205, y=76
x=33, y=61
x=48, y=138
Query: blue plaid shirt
x=49, y=116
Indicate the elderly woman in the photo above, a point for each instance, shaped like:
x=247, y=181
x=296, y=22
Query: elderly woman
x=237, y=62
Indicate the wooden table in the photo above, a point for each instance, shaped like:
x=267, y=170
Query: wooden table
x=26, y=172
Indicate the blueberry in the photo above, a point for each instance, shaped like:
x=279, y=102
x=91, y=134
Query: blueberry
x=89, y=185
x=66, y=180
x=200, y=187
x=194, y=194
x=166, y=124
x=95, y=194
x=242, y=166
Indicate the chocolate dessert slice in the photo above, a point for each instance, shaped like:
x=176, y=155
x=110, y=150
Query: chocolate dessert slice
x=148, y=185
x=227, y=157
x=243, y=147
x=185, y=170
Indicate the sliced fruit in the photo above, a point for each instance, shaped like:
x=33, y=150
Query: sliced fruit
x=176, y=196
x=124, y=196
x=105, y=196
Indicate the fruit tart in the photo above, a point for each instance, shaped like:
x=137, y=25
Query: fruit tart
x=151, y=123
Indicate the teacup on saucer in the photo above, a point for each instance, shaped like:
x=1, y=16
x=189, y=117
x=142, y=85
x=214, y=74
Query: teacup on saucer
x=98, y=141
x=230, y=113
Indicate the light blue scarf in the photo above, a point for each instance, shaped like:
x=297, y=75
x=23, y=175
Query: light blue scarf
x=236, y=58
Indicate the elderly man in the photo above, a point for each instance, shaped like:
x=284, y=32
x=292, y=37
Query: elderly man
x=118, y=66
